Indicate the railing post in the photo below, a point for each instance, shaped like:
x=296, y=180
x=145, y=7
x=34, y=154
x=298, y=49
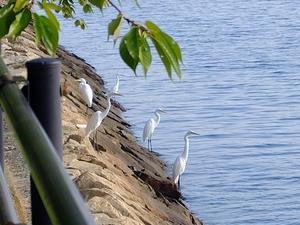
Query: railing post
x=44, y=99
x=60, y=196
x=1, y=141
x=7, y=210
x=1, y=129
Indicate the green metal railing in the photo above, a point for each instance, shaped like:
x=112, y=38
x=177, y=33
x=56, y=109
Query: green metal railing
x=60, y=197
x=7, y=211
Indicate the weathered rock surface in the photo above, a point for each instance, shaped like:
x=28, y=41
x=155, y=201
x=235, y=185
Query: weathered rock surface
x=122, y=182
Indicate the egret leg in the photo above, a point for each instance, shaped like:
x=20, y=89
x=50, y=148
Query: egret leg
x=86, y=110
x=90, y=137
x=148, y=144
x=179, y=184
x=94, y=139
x=151, y=144
x=96, y=144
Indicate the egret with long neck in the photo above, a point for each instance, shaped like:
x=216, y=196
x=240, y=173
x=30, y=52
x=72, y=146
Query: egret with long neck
x=181, y=160
x=150, y=126
x=115, y=88
x=97, y=118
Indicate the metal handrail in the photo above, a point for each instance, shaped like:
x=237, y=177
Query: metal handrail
x=60, y=196
x=7, y=211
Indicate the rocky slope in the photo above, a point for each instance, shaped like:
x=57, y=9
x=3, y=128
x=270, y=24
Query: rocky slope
x=122, y=182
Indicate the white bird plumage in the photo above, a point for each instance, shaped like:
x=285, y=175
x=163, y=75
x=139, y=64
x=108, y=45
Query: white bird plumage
x=181, y=160
x=86, y=92
x=150, y=126
x=97, y=117
x=115, y=88
x=94, y=122
x=149, y=129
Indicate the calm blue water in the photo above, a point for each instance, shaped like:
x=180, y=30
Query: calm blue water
x=241, y=92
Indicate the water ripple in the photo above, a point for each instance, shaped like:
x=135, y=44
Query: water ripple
x=240, y=92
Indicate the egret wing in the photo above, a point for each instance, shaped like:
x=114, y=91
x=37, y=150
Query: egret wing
x=148, y=129
x=178, y=168
x=87, y=94
x=93, y=123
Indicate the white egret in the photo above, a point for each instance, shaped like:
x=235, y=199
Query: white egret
x=150, y=126
x=97, y=118
x=115, y=88
x=181, y=160
x=86, y=92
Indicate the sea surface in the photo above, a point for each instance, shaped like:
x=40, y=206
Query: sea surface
x=240, y=91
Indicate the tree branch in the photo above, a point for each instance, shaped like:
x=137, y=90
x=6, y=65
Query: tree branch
x=128, y=20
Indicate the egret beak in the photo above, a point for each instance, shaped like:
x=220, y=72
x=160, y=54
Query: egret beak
x=118, y=94
x=192, y=132
x=77, y=80
x=163, y=111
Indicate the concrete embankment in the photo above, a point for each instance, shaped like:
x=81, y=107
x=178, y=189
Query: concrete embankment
x=122, y=182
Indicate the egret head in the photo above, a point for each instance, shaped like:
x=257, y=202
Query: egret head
x=160, y=110
x=112, y=94
x=190, y=133
x=81, y=80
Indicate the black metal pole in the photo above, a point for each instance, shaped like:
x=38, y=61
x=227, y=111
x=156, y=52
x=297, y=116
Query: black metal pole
x=62, y=199
x=1, y=129
x=1, y=141
x=44, y=99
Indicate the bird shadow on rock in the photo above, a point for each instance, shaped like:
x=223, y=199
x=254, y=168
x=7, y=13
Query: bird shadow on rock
x=74, y=137
x=162, y=187
x=156, y=153
x=97, y=147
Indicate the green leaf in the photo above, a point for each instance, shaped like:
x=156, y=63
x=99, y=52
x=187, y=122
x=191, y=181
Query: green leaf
x=20, y=4
x=67, y=12
x=114, y=27
x=127, y=58
x=46, y=33
x=101, y=4
x=80, y=23
x=67, y=8
x=21, y=22
x=40, y=5
x=87, y=8
x=168, y=40
x=37, y=28
x=144, y=54
x=174, y=45
x=52, y=18
x=134, y=49
x=50, y=35
x=55, y=7
x=46, y=28
x=163, y=58
x=82, y=2
x=7, y=16
x=167, y=48
x=77, y=23
x=131, y=40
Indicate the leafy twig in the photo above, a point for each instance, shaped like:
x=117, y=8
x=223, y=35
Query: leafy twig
x=128, y=20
